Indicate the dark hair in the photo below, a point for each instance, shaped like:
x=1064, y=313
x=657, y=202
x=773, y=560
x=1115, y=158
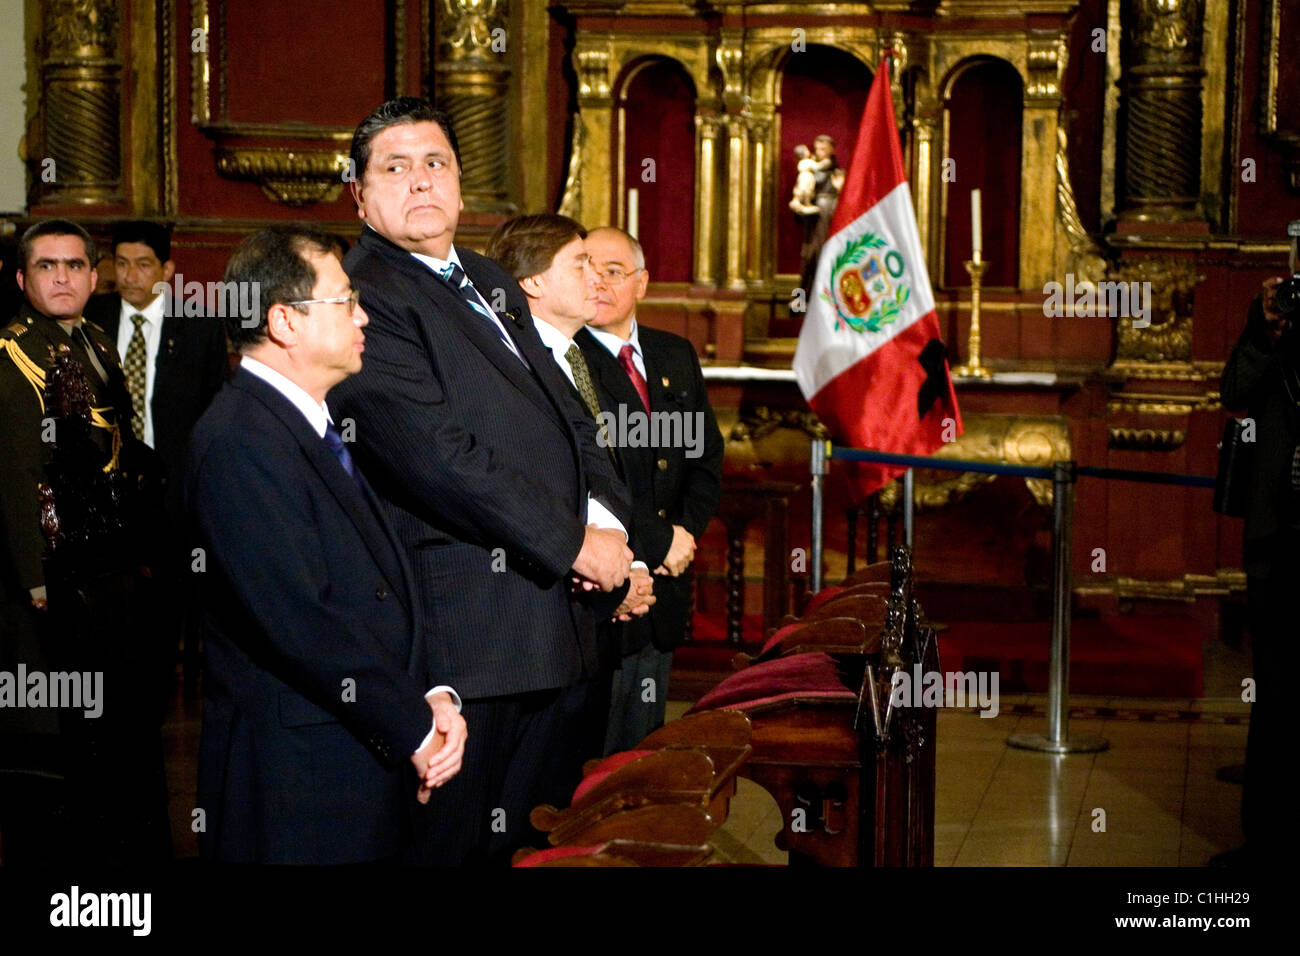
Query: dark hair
x=152, y=234
x=55, y=227
x=526, y=245
x=404, y=109
x=273, y=262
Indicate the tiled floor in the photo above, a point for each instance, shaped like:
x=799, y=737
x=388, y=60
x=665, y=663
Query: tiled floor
x=1150, y=799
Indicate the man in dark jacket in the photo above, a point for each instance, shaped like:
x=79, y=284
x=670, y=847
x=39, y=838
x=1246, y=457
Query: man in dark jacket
x=1261, y=378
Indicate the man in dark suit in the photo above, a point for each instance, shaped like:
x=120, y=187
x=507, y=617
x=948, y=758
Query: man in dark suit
x=547, y=257
x=675, y=484
x=174, y=365
x=314, y=694
x=489, y=470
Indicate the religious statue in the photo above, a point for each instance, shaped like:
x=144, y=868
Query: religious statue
x=816, y=191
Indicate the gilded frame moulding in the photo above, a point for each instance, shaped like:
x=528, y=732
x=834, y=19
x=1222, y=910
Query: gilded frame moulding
x=295, y=176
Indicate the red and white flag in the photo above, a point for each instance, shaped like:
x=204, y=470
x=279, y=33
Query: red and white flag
x=869, y=360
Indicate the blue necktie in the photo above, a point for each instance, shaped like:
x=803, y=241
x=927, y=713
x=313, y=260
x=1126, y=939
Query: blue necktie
x=336, y=444
x=456, y=276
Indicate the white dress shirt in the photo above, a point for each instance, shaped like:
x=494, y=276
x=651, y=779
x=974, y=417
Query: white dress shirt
x=318, y=416
x=151, y=329
x=615, y=344
x=558, y=343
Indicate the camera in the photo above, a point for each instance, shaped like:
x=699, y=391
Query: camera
x=1288, y=291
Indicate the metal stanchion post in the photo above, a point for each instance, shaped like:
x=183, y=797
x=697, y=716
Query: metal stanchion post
x=820, y=466
x=908, y=502
x=1057, y=740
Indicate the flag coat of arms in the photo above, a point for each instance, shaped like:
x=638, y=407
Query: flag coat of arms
x=870, y=361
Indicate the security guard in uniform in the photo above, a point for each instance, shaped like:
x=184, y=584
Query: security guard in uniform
x=85, y=617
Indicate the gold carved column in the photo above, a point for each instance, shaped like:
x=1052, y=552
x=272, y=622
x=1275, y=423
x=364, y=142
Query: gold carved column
x=708, y=130
x=762, y=170
x=78, y=156
x=1161, y=86
x=593, y=128
x=472, y=83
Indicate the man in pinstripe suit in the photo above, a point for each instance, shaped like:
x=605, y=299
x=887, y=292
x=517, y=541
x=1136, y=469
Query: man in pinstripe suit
x=490, y=472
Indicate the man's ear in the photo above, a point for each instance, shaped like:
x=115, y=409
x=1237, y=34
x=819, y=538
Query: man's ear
x=282, y=324
x=355, y=188
x=19, y=276
x=642, y=283
x=532, y=286
x=169, y=270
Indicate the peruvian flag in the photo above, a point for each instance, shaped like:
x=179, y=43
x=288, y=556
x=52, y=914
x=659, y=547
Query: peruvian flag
x=869, y=360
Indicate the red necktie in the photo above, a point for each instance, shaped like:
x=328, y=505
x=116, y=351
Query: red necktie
x=625, y=360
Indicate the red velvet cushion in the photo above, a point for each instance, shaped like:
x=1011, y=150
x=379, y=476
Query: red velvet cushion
x=559, y=852
x=782, y=678
x=778, y=635
x=606, y=767
x=821, y=597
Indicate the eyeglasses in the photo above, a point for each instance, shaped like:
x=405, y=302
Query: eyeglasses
x=352, y=298
x=614, y=276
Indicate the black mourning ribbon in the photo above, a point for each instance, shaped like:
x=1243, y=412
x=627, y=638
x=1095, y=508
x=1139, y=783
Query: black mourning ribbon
x=935, y=386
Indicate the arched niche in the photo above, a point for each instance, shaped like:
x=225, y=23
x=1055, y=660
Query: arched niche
x=983, y=117
x=822, y=90
x=655, y=120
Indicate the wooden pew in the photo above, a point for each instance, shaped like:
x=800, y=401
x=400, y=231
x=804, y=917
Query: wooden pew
x=691, y=763
x=853, y=774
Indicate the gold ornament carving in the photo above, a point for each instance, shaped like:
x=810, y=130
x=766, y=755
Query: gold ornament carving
x=1036, y=440
x=466, y=33
x=1169, y=336
x=1146, y=439
x=296, y=178
x=79, y=28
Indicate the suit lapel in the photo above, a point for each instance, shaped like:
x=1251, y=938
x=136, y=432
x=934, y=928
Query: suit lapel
x=611, y=378
x=359, y=509
x=460, y=315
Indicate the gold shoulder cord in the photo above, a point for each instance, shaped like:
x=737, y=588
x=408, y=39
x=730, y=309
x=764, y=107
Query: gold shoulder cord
x=35, y=376
x=29, y=370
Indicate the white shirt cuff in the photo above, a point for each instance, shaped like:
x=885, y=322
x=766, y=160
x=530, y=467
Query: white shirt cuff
x=602, y=517
x=455, y=699
x=641, y=564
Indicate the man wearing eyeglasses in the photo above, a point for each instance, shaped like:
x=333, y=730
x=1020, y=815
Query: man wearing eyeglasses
x=316, y=690
x=675, y=489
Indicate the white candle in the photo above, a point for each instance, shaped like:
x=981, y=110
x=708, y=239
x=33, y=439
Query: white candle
x=633, y=199
x=976, y=230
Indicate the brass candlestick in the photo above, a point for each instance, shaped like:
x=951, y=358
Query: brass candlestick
x=972, y=368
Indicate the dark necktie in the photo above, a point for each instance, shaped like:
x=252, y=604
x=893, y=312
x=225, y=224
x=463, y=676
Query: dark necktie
x=456, y=276
x=582, y=381
x=638, y=382
x=136, y=375
x=336, y=444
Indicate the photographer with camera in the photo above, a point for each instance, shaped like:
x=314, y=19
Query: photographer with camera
x=1262, y=378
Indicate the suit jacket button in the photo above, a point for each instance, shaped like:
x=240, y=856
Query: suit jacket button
x=381, y=593
x=663, y=464
x=663, y=513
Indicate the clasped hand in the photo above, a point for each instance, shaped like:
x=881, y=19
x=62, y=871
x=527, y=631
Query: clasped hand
x=439, y=760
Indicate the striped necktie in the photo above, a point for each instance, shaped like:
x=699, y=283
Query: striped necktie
x=456, y=276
